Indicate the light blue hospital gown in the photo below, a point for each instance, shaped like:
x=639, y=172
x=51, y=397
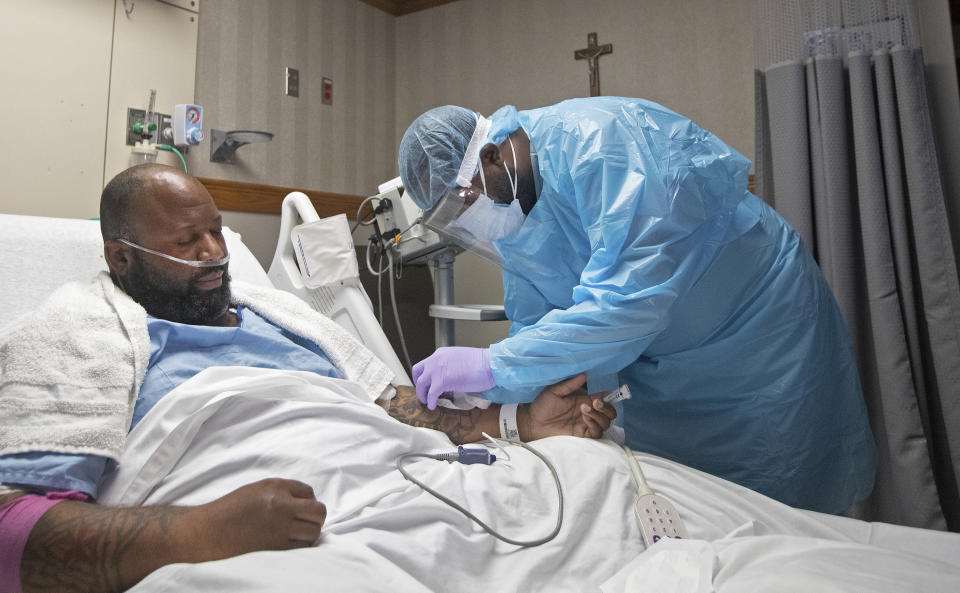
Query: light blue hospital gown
x=646, y=261
x=178, y=351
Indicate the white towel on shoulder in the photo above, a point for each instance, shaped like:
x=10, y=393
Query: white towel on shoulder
x=70, y=371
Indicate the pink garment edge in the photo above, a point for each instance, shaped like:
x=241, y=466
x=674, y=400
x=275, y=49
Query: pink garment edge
x=17, y=519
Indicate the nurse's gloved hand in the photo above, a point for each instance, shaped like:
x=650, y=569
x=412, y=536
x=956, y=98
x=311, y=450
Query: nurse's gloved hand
x=453, y=368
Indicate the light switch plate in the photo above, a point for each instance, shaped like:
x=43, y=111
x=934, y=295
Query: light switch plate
x=293, y=82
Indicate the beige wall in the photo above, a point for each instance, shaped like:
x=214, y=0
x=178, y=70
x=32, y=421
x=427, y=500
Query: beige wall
x=347, y=147
x=244, y=46
x=70, y=70
x=694, y=56
x=155, y=47
x=56, y=74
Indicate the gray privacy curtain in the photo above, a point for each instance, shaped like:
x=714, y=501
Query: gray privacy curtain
x=845, y=152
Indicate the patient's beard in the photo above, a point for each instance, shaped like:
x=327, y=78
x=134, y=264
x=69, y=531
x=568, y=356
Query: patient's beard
x=161, y=296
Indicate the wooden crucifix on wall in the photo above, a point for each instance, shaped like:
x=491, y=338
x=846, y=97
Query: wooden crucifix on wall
x=592, y=55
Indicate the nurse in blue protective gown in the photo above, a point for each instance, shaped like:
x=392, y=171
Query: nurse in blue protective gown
x=632, y=251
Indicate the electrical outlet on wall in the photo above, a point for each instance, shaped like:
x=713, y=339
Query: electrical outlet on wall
x=327, y=98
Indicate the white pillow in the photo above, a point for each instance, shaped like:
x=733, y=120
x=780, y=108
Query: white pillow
x=40, y=253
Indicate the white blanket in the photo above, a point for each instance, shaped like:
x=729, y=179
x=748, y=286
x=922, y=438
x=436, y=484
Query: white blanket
x=227, y=428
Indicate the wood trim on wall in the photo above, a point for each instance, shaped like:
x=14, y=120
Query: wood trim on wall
x=239, y=196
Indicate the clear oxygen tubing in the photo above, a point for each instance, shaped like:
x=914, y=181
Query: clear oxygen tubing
x=174, y=150
x=212, y=263
x=359, y=209
x=396, y=312
x=371, y=246
x=380, y=290
x=379, y=272
x=383, y=249
x=474, y=518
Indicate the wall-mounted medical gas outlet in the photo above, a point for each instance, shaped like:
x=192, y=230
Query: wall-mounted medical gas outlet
x=293, y=82
x=137, y=128
x=166, y=130
x=187, y=125
x=327, y=91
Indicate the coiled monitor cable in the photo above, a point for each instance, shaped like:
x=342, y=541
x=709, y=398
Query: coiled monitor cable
x=471, y=456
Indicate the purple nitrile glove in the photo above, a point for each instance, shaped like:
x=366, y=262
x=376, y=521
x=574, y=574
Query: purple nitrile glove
x=452, y=368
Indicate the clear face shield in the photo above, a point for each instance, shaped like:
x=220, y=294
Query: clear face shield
x=472, y=219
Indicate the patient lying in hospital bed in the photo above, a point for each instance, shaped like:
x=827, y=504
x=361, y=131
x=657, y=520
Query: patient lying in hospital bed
x=105, y=360
x=225, y=428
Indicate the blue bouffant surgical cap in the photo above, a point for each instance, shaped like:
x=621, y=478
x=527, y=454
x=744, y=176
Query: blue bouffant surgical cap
x=431, y=152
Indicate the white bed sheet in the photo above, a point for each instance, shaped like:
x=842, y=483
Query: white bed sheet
x=229, y=427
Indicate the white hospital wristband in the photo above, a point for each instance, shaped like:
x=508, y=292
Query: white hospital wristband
x=508, y=422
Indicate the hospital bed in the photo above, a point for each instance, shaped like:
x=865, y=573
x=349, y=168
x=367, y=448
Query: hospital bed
x=230, y=427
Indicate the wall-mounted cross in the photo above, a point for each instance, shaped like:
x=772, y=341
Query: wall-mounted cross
x=592, y=55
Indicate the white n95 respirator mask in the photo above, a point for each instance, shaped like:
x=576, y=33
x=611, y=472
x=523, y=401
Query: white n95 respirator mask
x=488, y=221
x=474, y=220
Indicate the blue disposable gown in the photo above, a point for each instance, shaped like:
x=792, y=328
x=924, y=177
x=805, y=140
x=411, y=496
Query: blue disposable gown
x=646, y=259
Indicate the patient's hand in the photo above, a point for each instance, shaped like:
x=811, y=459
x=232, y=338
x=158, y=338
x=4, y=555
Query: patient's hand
x=82, y=547
x=565, y=409
x=273, y=514
x=561, y=409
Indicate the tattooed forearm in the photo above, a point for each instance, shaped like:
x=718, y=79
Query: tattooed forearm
x=457, y=424
x=10, y=496
x=462, y=426
x=84, y=547
x=77, y=546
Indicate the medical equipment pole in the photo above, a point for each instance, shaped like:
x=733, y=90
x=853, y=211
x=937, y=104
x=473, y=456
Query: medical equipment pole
x=442, y=264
